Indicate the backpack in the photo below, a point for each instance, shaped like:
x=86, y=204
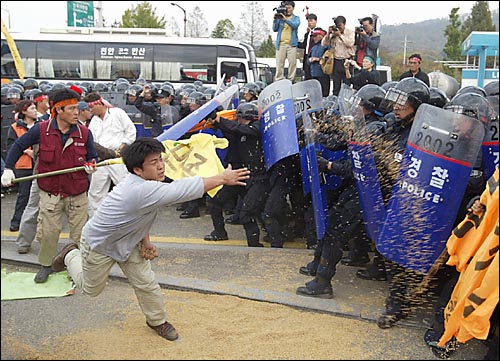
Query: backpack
x=326, y=61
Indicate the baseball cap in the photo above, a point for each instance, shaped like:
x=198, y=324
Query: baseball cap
x=318, y=31
x=83, y=106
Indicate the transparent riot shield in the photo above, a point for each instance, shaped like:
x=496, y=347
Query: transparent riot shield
x=441, y=149
x=490, y=151
x=308, y=102
x=279, y=131
x=363, y=165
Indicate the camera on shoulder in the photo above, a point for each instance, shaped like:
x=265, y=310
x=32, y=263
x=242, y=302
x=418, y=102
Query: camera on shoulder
x=280, y=9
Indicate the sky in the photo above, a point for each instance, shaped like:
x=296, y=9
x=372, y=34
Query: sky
x=30, y=16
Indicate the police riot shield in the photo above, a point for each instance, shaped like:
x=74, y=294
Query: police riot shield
x=180, y=128
x=142, y=122
x=307, y=100
x=7, y=120
x=278, y=128
x=489, y=148
x=434, y=172
x=363, y=166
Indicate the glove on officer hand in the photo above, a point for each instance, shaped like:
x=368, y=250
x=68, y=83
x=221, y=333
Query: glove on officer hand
x=322, y=163
x=90, y=167
x=8, y=177
x=213, y=114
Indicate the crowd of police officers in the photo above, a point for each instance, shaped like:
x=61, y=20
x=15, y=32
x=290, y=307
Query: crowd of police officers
x=285, y=213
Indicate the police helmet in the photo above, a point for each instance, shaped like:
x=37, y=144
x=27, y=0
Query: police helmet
x=197, y=98
x=437, y=97
x=141, y=82
x=491, y=88
x=251, y=88
x=133, y=90
x=198, y=83
x=388, y=85
x=261, y=84
x=409, y=90
x=99, y=87
x=472, y=105
x=18, y=82
x=32, y=94
x=30, y=83
x=472, y=89
x=14, y=92
x=210, y=93
x=372, y=97
x=45, y=87
x=165, y=91
x=121, y=87
x=5, y=90
x=167, y=83
x=248, y=111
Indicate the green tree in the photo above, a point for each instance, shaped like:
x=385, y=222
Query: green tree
x=142, y=16
x=267, y=49
x=223, y=30
x=453, y=46
x=480, y=19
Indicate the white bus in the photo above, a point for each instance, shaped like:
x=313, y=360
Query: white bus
x=106, y=54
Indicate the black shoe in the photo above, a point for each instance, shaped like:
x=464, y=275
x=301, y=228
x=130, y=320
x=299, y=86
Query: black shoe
x=215, y=237
x=356, y=262
x=388, y=320
x=304, y=270
x=43, y=274
x=23, y=249
x=165, y=330
x=14, y=228
x=256, y=245
x=187, y=214
x=365, y=275
x=234, y=219
x=316, y=289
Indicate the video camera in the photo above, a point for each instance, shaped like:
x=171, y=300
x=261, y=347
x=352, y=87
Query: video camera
x=280, y=9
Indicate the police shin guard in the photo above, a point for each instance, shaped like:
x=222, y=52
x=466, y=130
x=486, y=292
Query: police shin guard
x=253, y=234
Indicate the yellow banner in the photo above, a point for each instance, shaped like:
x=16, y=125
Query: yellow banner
x=15, y=53
x=195, y=156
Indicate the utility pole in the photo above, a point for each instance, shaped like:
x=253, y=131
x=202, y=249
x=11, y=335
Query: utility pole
x=404, y=51
x=185, y=17
x=98, y=8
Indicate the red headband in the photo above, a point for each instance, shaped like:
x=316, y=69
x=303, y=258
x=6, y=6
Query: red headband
x=416, y=59
x=40, y=98
x=62, y=103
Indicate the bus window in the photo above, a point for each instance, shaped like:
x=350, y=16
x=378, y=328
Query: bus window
x=27, y=50
x=175, y=62
x=129, y=61
x=62, y=60
x=231, y=68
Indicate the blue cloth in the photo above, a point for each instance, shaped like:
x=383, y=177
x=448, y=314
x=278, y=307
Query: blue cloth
x=294, y=23
x=317, y=51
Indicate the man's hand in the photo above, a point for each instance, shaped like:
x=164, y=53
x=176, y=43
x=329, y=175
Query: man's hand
x=148, y=249
x=90, y=167
x=8, y=177
x=322, y=163
x=235, y=177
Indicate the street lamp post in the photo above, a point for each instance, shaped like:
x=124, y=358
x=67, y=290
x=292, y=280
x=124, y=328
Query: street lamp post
x=185, y=18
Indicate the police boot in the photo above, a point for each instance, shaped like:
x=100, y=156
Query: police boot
x=273, y=231
x=311, y=268
x=219, y=233
x=253, y=234
x=318, y=287
x=375, y=271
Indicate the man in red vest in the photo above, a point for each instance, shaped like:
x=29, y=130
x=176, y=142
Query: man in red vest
x=64, y=143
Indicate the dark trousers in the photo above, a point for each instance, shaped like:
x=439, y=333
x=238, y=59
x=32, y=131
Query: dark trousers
x=338, y=75
x=23, y=195
x=325, y=84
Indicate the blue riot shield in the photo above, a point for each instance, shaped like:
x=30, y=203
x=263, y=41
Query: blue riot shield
x=363, y=165
x=180, y=128
x=490, y=142
x=441, y=149
x=279, y=131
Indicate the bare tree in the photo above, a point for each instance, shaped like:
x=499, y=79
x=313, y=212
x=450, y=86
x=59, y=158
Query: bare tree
x=253, y=28
x=172, y=27
x=197, y=25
